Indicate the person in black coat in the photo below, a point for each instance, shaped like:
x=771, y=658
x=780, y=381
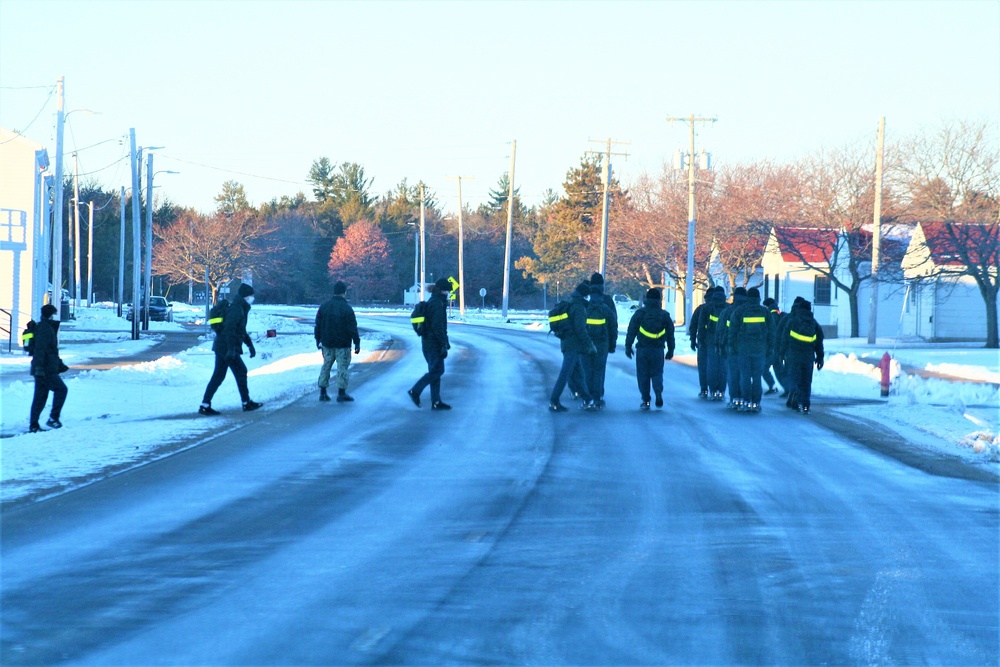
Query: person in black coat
x=604, y=336
x=650, y=328
x=336, y=329
x=228, y=348
x=45, y=368
x=434, y=344
x=751, y=334
x=574, y=345
x=772, y=361
x=708, y=332
x=800, y=344
x=701, y=350
x=724, y=344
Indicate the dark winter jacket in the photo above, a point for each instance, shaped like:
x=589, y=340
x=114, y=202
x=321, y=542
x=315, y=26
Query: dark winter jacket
x=752, y=328
x=577, y=339
x=693, y=326
x=234, y=329
x=336, y=324
x=597, y=294
x=800, y=336
x=435, y=335
x=722, y=336
x=708, y=319
x=45, y=360
x=651, y=326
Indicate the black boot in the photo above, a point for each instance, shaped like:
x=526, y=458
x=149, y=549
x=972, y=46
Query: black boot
x=343, y=397
x=323, y=396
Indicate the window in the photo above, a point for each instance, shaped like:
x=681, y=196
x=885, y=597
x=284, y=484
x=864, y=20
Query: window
x=821, y=291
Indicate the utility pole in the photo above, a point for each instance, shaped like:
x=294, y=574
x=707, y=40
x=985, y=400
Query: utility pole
x=57, y=207
x=423, y=253
x=149, y=241
x=461, y=248
x=689, y=279
x=75, y=239
x=606, y=180
x=876, y=232
x=510, y=231
x=136, y=236
x=90, y=257
x=121, y=255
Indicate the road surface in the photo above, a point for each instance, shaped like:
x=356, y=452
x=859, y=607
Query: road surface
x=500, y=533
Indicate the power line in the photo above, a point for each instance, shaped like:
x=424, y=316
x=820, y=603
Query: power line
x=44, y=104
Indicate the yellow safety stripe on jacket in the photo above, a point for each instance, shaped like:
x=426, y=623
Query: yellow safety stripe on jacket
x=556, y=318
x=26, y=337
x=215, y=320
x=714, y=318
x=417, y=320
x=651, y=335
x=753, y=320
x=596, y=322
x=805, y=339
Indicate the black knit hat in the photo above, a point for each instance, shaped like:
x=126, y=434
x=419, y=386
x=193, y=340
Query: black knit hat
x=340, y=287
x=245, y=290
x=443, y=285
x=596, y=279
x=753, y=293
x=653, y=294
x=48, y=310
x=583, y=288
x=740, y=291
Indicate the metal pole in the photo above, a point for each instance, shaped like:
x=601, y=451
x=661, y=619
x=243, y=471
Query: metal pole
x=423, y=255
x=604, y=216
x=208, y=299
x=149, y=241
x=876, y=233
x=689, y=278
x=510, y=230
x=136, y=237
x=77, y=286
x=461, y=254
x=57, y=207
x=121, y=255
x=90, y=257
x=416, y=262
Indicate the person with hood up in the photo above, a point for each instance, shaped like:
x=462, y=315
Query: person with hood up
x=708, y=334
x=772, y=361
x=228, y=348
x=751, y=334
x=728, y=353
x=435, y=345
x=800, y=344
x=574, y=346
x=650, y=329
x=702, y=352
x=45, y=368
x=336, y=329
x=599, y=301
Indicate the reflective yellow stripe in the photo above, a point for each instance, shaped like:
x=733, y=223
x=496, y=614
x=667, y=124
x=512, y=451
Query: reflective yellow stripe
x=556, y=318
x=215, y=320
x=714, y=318
x=753, y=320
x=28, y=336
x=596, y=322
x=651, y=335
x=805, y=339
x=417, y=320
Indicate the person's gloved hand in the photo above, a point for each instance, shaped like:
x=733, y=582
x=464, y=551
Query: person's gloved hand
x=694, y=347
x=444, y=352
x=669, y=355
x=819, y=364
x=253, y=350
x=319, y=345
x=628, y=352
x=357, y=349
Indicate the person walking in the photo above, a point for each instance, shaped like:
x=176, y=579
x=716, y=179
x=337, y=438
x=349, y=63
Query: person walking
x=751, y=334
x=728, y=353
x=702, y=351
x=597, y=296
x=772, y=369
x=336, y=329
x=800, y=344
x=574, y=345
x=45, y=368
x=228, y=348
x=435, y=345
x=708, y=333
x=650, y=329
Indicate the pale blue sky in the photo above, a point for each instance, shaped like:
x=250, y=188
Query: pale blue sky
x=256, y=91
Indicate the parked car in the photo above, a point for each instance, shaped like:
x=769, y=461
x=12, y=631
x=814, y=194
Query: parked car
x=160, y=310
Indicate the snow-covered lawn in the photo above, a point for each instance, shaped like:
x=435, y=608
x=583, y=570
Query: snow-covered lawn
x=144, y=400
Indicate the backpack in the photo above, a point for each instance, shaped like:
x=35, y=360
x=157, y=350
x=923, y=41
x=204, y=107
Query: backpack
x=802, y=332
x=559, y=323
x=418, y=317
x=217, y=315
x=653, y=325
x=597, y=322
x=28, y=338
x=753, y=327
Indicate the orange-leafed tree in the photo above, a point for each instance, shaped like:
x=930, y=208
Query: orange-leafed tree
x=362, y=259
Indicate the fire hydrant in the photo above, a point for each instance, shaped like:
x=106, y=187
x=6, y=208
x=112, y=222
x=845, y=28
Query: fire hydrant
x=884, y=365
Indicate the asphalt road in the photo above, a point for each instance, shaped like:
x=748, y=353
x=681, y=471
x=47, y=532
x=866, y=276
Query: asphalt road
x=499, y=533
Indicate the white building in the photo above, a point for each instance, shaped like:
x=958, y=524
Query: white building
x=24, y=239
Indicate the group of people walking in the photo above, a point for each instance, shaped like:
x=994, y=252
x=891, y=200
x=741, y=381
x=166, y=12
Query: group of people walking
x=738, y=343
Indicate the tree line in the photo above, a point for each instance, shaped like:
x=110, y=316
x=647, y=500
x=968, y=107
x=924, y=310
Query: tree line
x=296, y=247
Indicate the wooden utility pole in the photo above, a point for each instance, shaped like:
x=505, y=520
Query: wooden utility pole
x=510, y=231
x=423, y=254
x=461, y=248
x=606, y=180
x=876, y=232
x=689, y=279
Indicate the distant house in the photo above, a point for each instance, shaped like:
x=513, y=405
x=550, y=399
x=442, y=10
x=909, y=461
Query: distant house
x=894, y=239
x=738, y=262
x=944, y=302
x=24, y=240
x=796, y=262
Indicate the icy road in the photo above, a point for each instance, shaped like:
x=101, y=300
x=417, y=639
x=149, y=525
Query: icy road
x=499, y=533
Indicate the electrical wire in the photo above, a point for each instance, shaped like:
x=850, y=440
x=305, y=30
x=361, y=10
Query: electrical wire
x=52, y=91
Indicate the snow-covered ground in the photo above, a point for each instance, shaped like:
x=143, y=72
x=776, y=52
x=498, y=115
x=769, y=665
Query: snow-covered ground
x=127, y=415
